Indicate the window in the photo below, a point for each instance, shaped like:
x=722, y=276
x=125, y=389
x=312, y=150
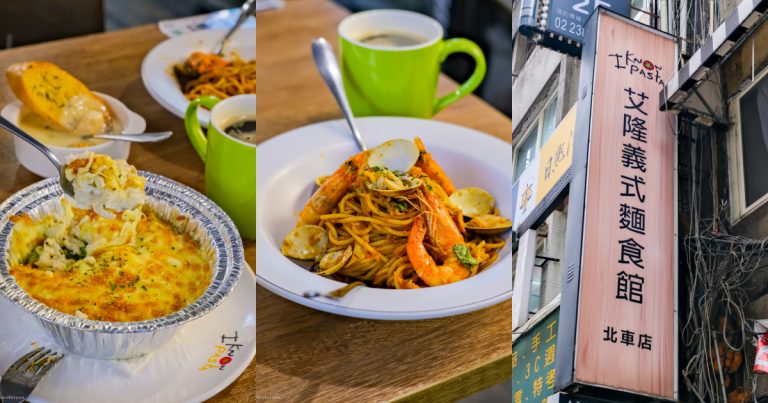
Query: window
x=543, y=268
x=751, y=147
x=754, y=133
x=644, y=12
x=549, y=122
x=522, y=48
x=535, y=303
x=543, y=126
x=526, y=151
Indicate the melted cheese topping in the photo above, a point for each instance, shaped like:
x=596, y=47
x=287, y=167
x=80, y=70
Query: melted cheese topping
x=85, y=114
x=132, y=267
x=104, y=184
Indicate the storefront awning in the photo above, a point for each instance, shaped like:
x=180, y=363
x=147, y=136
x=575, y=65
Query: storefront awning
x=715, y=48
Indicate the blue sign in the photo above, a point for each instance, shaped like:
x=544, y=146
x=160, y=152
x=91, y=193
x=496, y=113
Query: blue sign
x=567, y=17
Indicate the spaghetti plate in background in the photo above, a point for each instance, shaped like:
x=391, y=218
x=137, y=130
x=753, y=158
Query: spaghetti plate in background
x=157, y=69
x=287, y=166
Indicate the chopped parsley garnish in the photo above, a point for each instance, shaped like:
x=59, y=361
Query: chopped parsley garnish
x=351, y=166
x=376, y=169
x=401, y=206
x=33, y=256
x=462, y=253
x=69, y=254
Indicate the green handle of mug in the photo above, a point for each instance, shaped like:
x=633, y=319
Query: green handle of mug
x=461, y=45
x=192, y=124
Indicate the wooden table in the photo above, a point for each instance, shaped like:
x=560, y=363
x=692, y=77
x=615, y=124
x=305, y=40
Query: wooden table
x=306, y=355
x=111, y=63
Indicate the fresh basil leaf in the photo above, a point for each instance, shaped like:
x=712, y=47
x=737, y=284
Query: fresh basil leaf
x=464, y=256
x=401, y=206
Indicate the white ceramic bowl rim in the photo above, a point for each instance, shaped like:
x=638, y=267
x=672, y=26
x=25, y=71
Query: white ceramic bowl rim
x=469, y=157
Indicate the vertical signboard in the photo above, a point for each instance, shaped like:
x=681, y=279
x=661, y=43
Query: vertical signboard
x=623, y=258
x=526, y=191
x=533, y=362
x=556, y=155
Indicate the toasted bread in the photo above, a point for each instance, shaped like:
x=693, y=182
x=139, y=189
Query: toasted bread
x=57, y=96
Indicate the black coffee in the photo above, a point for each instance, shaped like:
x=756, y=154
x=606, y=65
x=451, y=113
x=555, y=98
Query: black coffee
x=393, y=39
x=242, y=129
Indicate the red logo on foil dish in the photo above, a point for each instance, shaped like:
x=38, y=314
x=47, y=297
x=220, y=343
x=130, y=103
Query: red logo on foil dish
x=223, y=354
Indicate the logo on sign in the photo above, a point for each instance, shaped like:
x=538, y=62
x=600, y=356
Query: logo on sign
x=223, y=353
x=637, y=66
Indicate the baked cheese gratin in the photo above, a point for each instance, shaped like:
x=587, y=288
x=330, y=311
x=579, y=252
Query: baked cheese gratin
x=124, y=266
x=103, y=184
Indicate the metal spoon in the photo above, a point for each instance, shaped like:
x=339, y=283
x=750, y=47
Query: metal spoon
x=66, y=185
x=329, y=69
x=136, y=138
x=246, y=10
x=336, y=294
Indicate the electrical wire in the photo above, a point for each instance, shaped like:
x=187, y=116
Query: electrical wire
x=720, y=266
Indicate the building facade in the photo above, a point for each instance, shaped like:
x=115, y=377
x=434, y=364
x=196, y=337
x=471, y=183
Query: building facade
x=716, y=96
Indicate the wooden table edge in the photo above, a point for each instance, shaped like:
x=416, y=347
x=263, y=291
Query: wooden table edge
x=483, y=376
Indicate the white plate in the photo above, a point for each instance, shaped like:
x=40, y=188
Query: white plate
x=170, y=374
x=157, y=67
x=286, y=168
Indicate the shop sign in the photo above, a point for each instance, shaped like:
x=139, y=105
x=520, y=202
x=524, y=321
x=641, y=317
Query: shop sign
x=556, y=155
x=526, y=191
x=534, y=189
x=625, y=328
x=567, y=17
x=559, y=24
x=533, y=361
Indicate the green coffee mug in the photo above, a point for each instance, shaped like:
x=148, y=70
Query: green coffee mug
x=230, y=163
x=390, y=63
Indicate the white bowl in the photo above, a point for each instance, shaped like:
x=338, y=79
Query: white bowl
x=35, y=161
x=283, y=185
x=163, y=86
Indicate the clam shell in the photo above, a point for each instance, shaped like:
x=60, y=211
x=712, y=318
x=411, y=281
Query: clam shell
x=395, y=155
x=333, y=261
x=473, y=202
x=306, y=242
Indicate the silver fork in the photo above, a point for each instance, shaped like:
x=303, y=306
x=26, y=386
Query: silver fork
x=22, y=377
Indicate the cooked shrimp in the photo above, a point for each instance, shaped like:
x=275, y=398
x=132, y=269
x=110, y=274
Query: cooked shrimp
x=445, y=241
x=430, y=167
x=205, y=62
x=424, y=265
x=332, y=190
x=442, y=230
